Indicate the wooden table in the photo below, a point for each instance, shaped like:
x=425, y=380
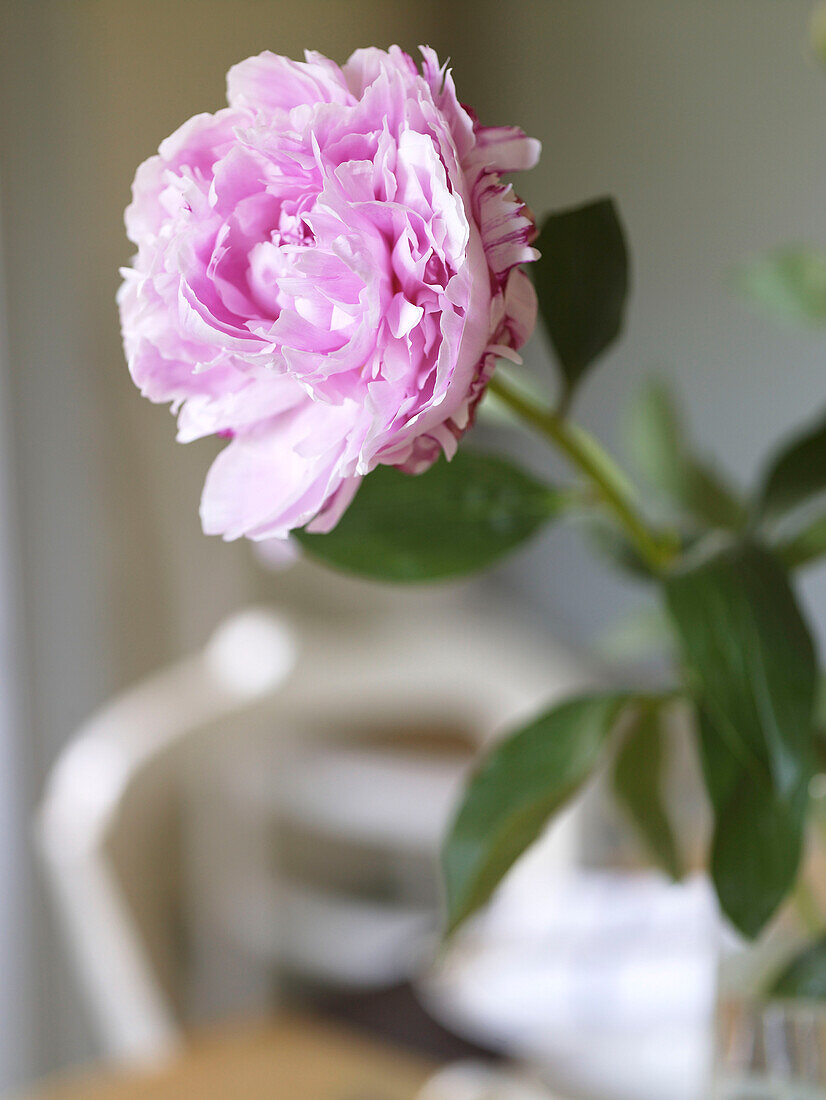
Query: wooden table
x=291, y=1059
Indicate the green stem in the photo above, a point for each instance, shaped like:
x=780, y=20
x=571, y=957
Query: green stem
x=805, y=546
x=583, y=452
x=805, y=903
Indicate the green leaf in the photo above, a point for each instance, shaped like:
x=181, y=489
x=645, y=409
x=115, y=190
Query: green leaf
x=750, y=660
x=653, y=436
x=722, y=767
x=637, y=781
x=795, y=475
x=820, y=700
x=456, y=518
x=582, y=283
x=751, y=656
x=758, y=842
x=758, y=834
x=519, y=786
x=656, y=441
x=804, y=978
x=789, y=282
x=805, y=546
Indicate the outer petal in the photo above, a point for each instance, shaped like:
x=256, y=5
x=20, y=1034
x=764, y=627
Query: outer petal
x=270, y=82
x=163, y=364
x=520, y=308
x=335, y=507
x=506, y=225
x=364, y=67
x=259, y=396
x=192, y=149
x=279, y=475
x=443, y=89
x=507, y=148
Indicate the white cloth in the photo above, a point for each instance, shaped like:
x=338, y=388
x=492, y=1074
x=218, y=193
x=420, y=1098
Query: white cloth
x=605, y=980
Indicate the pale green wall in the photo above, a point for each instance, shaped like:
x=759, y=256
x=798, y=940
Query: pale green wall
x=707, y=119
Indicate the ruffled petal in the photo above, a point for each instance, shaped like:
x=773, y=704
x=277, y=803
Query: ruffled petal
x=507, y=148
x=264, y=484
x=270, y=82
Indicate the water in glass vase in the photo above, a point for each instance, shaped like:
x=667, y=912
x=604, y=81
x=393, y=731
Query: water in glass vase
x=771, y=1052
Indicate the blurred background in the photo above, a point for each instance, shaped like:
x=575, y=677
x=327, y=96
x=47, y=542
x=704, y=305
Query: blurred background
x=705, y=118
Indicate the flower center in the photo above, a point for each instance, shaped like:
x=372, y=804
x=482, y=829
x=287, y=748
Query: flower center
x=292, y=229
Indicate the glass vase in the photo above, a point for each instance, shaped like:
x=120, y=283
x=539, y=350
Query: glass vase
x=770, y=1051
x=756, y=1048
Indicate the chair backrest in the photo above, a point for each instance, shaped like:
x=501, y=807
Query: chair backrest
x=104, y=827
x=312, y=844
x=243, y=795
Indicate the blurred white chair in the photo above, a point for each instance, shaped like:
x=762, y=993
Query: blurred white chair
x=106, y=828
x=299, y=828
x=314, y=842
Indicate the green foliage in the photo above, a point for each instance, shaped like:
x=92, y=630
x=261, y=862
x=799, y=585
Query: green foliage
x=656, y=440
x=758, y=834
x=637, y=781
x=795, y=475
x=747, y=658
x=750, y=662
x=804, y=977
x=521, y=784
x=582, y=284
x=805, y=546
x=750, y=653
x=755, y=857
x=456, y=518
x=789, y=282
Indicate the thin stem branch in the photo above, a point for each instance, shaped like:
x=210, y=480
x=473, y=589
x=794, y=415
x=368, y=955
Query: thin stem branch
x=584, y=453
x=804, y=900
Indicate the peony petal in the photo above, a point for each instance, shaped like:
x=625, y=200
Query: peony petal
x=507, y=148
x=259, y=396
x=520, y=308
x=505, y=224
x=270, y=82
x=403, y=316
x=335, y=507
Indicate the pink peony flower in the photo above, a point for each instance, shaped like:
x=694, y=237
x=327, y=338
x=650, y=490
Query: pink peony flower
x=326, y=273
